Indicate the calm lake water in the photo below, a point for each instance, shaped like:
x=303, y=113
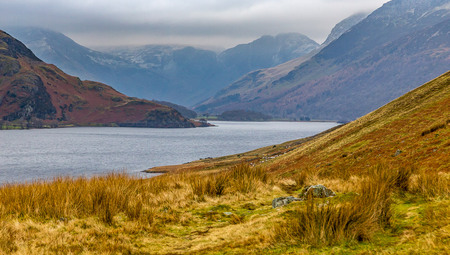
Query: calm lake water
x=27, y=155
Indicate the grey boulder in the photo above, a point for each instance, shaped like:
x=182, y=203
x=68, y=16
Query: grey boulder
x=317, y=191
x=282, y=201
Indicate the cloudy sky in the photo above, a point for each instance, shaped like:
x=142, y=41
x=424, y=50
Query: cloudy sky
x=211, y=23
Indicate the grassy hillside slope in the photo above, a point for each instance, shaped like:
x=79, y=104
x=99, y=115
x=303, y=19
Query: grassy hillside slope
x=389, y=169
x=410, y=130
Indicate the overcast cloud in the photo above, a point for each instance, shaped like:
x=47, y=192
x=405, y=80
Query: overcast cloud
x=214, y=23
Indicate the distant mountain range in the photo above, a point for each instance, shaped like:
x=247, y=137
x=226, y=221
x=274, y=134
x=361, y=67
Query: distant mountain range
x=179, y=74
x=398, y=47
x=34, y=94
x=262, y=78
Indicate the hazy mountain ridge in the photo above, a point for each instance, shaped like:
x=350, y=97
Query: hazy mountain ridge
x=34, y=94
x=195, y=74
x=59, y=49
x=265, y=52
x=179, y=74
x=74, y=59
x=345, y=79
x=344, y=26
x=255, y=82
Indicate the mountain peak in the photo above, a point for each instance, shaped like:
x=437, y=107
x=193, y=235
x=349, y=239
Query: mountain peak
x=344, y=26
x=396, y=48
x=11, y=47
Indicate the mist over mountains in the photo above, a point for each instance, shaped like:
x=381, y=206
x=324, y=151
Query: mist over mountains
x=179, y=74
x=366, y=61
x=34, y=94
x=395, y=49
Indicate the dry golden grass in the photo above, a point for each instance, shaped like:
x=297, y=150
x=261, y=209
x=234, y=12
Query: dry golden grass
x=431, y=184
x=165, y=215
x=240, y=178
x=141, y=209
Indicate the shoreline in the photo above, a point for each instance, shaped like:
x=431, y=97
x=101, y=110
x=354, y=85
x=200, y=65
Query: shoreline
x=257, y=156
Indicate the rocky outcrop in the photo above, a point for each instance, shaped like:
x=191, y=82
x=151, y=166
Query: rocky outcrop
x=316, y=191
x=30, y=94
x=311, y=191
x=282, y=201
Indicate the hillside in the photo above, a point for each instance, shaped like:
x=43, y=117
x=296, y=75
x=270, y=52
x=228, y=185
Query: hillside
x=392, y=51
x=389, y=170
x=34, y=94
x=187, y=113
x=404, y=124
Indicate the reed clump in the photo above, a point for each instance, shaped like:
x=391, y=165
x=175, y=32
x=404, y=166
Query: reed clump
x=102, y=197
x=241, y=178
x=431, y=184
x=105, y=197
x=320, y=222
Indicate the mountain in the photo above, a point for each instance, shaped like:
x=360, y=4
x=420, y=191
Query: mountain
x=62, y=51
x=36, y=94
x=344, y=26
x=262, y=78
x=265, y=52
x=74, y=59
x=395, y=49
x=192, y=75
x=182, y=74
x=179, y=74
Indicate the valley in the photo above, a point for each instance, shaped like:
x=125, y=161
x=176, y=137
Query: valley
x=269, y=174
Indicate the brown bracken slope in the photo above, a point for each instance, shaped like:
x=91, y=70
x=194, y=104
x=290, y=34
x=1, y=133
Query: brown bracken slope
x=410, y=131
x=35, y=94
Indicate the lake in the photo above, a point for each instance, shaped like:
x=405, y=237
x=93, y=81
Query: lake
x=27, y=155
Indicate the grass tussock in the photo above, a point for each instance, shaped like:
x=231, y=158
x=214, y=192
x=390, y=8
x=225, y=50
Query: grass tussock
x=8, y=236
x=323, y=223
x=107, y=213
x=241, y=178
x=435, y=127
x=66, y=198
x=120, y=194
x=431, y=184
